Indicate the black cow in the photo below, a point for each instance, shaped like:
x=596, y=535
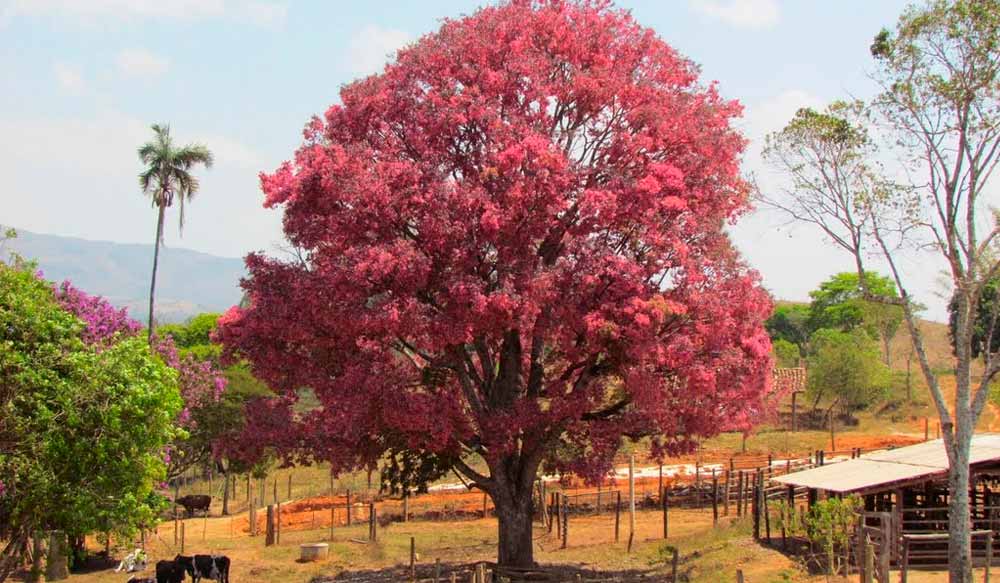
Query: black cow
x=169, y=572
x=215, y=567
x=193, y=502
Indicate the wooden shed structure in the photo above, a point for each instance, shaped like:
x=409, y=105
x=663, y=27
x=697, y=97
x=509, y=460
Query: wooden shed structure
x=905, y=493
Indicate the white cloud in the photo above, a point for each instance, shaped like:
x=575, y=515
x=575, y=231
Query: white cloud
x=257, y=12
x=93, y=9
x=138, y=62
x=69, y=78
x=371, y=47
x=740, y=13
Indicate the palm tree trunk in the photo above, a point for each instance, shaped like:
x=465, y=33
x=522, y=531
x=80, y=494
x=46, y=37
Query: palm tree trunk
x=156, y=261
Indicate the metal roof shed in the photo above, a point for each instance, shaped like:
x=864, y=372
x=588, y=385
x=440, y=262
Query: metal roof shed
x=879, y=471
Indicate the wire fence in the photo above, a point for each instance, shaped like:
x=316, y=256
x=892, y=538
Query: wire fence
x=725, y=486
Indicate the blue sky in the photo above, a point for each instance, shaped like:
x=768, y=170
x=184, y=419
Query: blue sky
x=85, y=78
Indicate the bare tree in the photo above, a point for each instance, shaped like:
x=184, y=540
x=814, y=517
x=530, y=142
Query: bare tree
x=939, y=76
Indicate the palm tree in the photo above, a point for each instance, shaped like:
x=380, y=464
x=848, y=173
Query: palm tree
x=168, y=175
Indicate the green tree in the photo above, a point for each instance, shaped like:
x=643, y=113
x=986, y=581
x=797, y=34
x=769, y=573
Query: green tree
x=985, y=321
x=790, y=322
x=786, y=354
x=167, y=178
x=82, y=427
x=194, y=336
x=840, y=303
x=829, y=525
x=845, y=369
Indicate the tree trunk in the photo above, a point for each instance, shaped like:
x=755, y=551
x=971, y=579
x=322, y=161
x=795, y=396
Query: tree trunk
x=156, y=260
x=960, y=547
x=514, y=518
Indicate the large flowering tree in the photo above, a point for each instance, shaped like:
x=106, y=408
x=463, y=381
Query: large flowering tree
x=512, y=252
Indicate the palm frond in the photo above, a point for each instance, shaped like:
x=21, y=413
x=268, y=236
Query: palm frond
x=187, y=187
x=147, y=177
x=193, y=154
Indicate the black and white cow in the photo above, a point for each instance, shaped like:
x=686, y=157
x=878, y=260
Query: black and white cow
x=169, y=572
x=214, y=567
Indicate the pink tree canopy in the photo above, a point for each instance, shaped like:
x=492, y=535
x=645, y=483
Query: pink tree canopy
x=512, y=246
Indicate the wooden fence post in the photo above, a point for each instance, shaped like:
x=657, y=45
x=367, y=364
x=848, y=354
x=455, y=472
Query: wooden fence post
x=989, y=555
x=269, y=526
x=277, y=523
x=715, y=500
x=665, y=502
x=697, y=481
x=618, y=513
x=739, y=495
x=756, y=513
x=289, y=497
x=725, y=495
x=413, y=559
x=565, y=521
x=406, y=506
x=868, y=571
x=631, y=501
x=349, y=511
x=739, y=576
x=904, y=564
x=484, y=504
x=558, y=503
x=884, y=551
x=541, y=501
x=766, y=510
x=333, y=517
x=372, y=522
x=551, y=510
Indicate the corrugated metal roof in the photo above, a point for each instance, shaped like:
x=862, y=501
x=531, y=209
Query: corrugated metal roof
x=924, y=460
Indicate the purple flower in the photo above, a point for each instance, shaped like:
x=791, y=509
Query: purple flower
x=102, y=320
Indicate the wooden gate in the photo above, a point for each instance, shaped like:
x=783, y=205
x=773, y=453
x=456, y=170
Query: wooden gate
x=876, y=529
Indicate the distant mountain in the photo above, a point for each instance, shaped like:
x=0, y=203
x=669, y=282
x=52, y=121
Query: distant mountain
x=188, y=282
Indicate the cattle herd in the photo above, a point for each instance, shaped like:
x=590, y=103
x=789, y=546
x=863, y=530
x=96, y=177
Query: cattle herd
x=214, y=567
